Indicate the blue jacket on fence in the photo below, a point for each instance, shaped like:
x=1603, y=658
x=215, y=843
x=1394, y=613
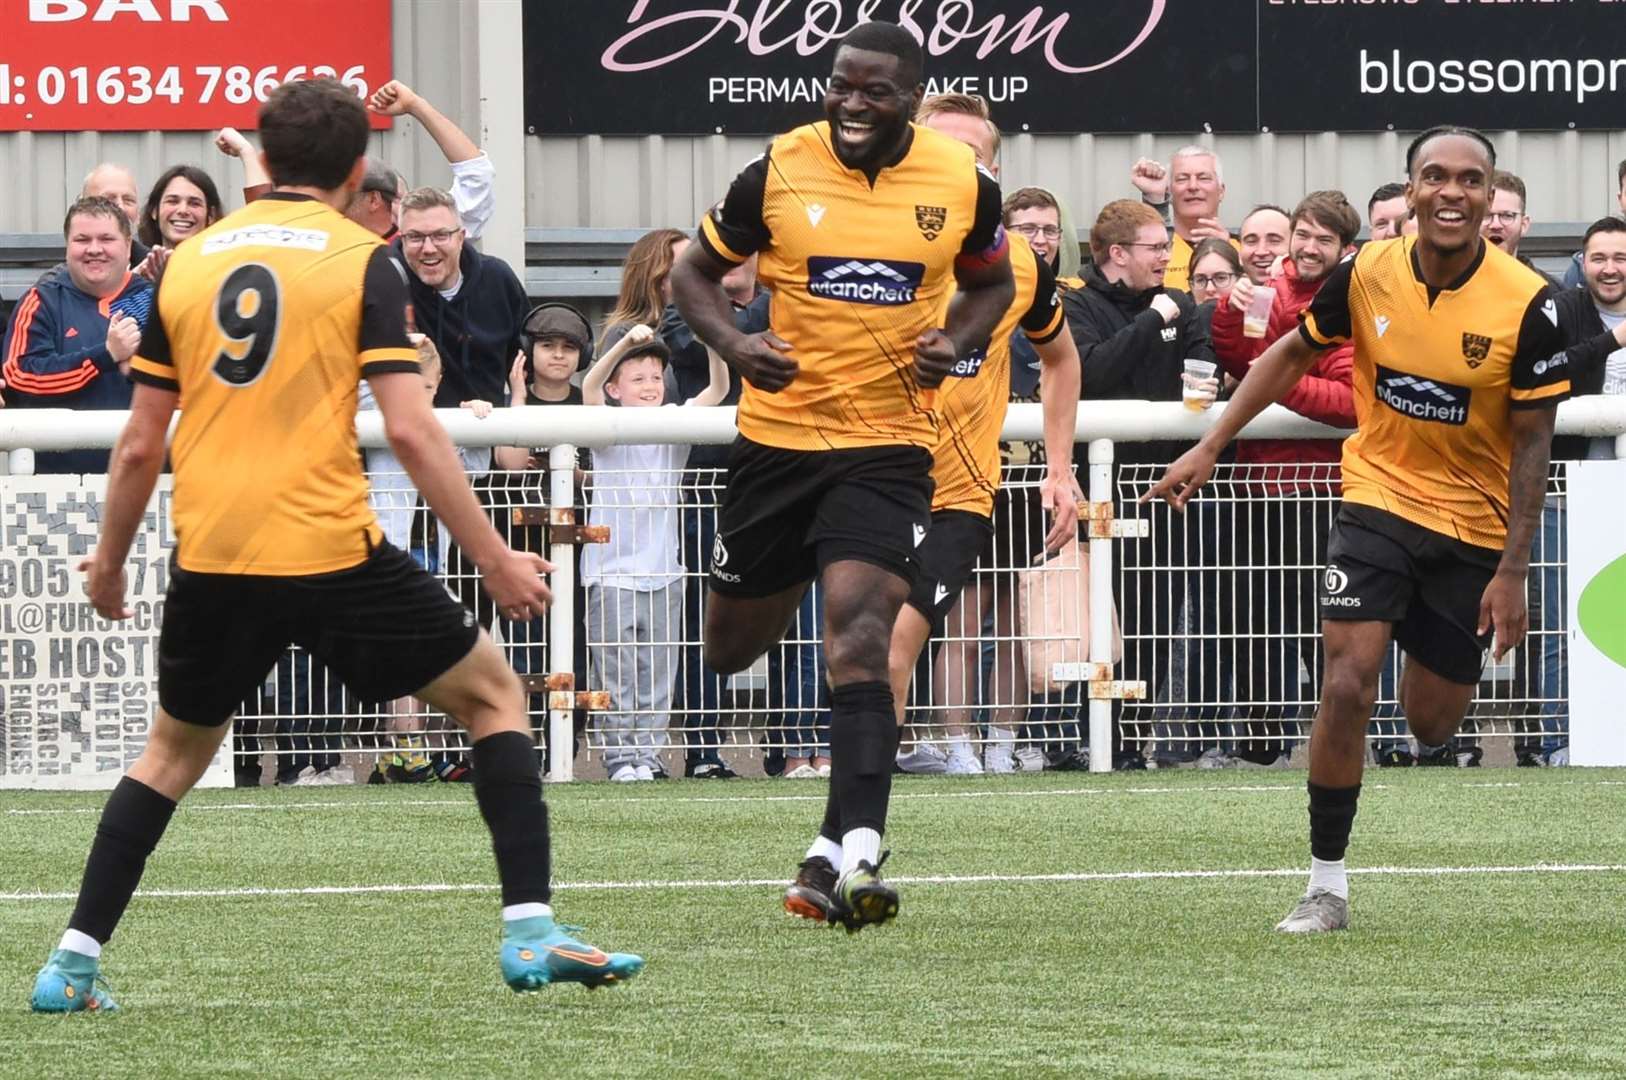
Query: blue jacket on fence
x=56, y=357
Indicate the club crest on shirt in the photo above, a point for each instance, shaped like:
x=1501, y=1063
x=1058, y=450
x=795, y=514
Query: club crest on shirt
x=1475, y=348
x=931, y=220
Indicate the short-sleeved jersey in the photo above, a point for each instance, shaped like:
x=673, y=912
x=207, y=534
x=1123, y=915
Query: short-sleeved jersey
x=1436, y=373
x=972, y=402
x=266, y=322
x=858, y=271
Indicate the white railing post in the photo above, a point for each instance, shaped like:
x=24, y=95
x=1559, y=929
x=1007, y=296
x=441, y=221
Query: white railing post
x=21, y=462
x=562, y=615
x=1100, y=606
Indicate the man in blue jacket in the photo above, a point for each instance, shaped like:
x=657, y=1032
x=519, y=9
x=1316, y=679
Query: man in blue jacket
x=72, y=335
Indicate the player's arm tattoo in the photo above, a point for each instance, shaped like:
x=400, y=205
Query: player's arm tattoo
x=1527, y=484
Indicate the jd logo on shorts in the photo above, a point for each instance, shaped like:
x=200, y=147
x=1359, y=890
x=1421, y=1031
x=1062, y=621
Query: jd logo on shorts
x=879, y=282
x=1423, y=399
x=1475, y=348
x=719, y=559
x=1333, y=583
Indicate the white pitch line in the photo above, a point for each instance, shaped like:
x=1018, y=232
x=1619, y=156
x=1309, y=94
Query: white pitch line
x=933, y=879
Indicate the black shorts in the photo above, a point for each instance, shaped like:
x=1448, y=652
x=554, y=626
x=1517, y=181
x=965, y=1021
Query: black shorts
x=956, y=540
x=1020, y=527
x=386, y=628
x=1384, y=568
x=787, y=514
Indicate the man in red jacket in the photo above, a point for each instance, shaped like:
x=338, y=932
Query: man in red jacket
x=1289, y=489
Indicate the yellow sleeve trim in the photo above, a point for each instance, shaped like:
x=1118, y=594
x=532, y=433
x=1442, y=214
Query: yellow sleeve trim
x=153, y=367
x=1539, y=392
x=1315, y=333
x=714, y=240
x=389, y=352
x=1051, y=328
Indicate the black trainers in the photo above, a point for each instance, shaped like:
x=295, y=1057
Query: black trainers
x=862, y=899
x=1438, y=757
x=808, y=897
x=1396, y=757
x=1076, y=760
x=712, y=770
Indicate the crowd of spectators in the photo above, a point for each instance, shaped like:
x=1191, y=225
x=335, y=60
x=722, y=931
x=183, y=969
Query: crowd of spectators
x=1164, y=278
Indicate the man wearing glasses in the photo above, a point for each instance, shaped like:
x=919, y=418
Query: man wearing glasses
x=469, y=304
x=1134, y=336
x=1507, y=223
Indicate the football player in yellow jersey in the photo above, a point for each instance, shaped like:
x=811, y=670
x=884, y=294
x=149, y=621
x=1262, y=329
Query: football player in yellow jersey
x=1459, y=368
x=966, y=461
x=863, y=224
x=265, y=323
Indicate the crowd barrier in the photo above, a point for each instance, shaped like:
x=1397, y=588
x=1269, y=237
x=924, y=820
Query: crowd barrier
x=1213, y=615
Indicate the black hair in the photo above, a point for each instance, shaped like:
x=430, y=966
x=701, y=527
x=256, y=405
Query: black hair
x=890, y=38
x=1440, y=130
x=192, y=175
x=1609, y=224
x=313, y=131
x=1394, y=189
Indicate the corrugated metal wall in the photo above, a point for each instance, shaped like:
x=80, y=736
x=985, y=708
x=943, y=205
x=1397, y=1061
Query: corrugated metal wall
x=435, y=44
x=637, y=182
x=602, y=181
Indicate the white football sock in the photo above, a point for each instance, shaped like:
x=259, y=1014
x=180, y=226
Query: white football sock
x=825, y=848
x=81, y=943
x=1329, y=876
x=526, y=911
x=859, y=845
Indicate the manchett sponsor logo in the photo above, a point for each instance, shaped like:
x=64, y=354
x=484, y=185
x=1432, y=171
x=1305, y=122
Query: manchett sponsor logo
x=1423, y=399
x=879, y=282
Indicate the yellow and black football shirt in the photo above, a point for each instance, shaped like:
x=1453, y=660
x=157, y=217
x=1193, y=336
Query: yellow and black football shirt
x=265, y=324
x=972, y=403
x=858, y=271
x=1437, y=372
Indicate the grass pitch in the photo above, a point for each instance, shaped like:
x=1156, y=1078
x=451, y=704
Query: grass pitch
x=1053, y=928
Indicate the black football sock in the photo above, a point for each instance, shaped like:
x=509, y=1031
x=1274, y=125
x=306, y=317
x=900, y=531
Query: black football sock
x=132, y=822
x=1332, y=812
x=864, y=736
x=508, y=789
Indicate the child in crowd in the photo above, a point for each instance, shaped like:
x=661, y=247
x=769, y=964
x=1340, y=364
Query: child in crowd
x=395, y=501
x=635, y=582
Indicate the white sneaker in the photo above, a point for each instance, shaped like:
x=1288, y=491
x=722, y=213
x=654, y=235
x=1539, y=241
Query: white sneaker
x=925, y=758
x=802, y=772
x=337, y=776
x=625, y=774
x=1213, y=758
x=822, y=771
x=645, y=773
x=998, y=759
x=1031, y=759
x=302, y=778
x=1559, y=757
x=963, y=764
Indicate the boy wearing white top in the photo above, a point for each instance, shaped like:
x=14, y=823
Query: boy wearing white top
x=635, y=582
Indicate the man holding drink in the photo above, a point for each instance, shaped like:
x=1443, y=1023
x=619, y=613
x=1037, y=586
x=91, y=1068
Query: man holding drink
x=1268, y=617
x=1134, y=339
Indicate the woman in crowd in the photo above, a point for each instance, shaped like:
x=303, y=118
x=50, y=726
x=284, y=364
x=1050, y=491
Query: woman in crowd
x=1215, y=267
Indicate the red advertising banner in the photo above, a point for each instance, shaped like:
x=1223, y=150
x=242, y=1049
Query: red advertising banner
x=178, y=65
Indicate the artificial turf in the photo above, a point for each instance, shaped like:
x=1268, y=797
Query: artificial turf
x=1516, y=972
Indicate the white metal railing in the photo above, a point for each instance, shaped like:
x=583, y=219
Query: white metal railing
x=778, y=707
